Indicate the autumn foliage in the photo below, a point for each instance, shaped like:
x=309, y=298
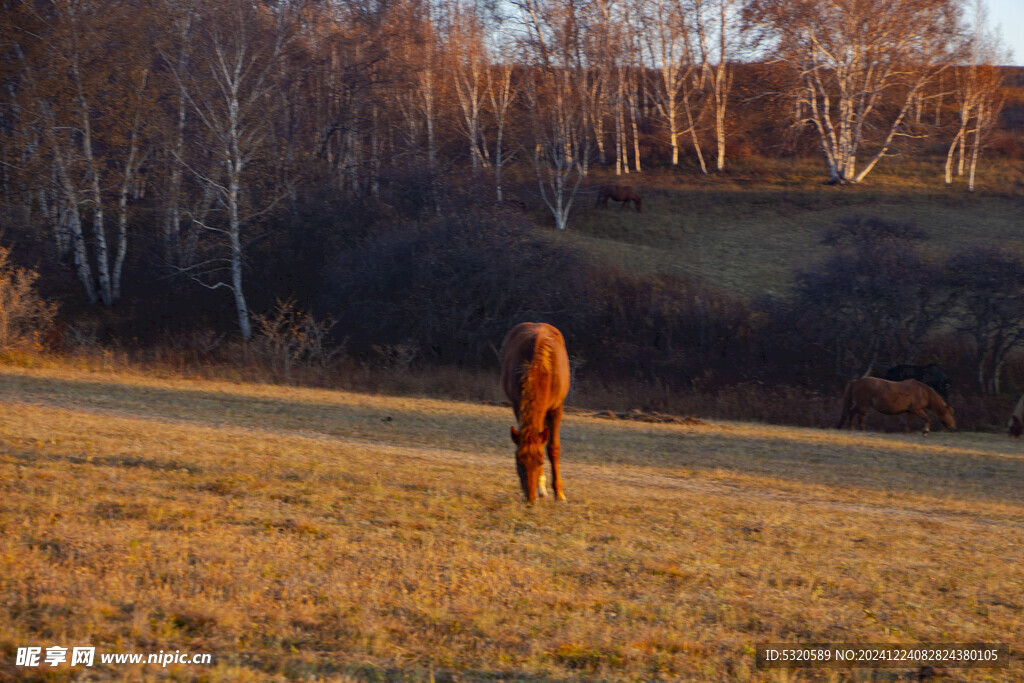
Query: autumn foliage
x=386, y=165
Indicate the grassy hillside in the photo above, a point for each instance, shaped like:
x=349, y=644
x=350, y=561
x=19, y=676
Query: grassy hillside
x=295, y=533
x=747, y=235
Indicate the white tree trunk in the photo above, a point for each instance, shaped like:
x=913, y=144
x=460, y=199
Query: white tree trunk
x=501, y=97
x=979, y=124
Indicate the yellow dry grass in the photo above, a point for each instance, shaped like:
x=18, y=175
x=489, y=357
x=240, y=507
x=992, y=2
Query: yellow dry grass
x=297, y=533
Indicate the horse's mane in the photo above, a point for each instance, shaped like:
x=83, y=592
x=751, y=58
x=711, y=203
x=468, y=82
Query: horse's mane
x=935, y=400
x=934, y=397
x=535, y=386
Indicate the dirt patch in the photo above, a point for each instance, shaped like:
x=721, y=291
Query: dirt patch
x=644, y=416
x=634, y=415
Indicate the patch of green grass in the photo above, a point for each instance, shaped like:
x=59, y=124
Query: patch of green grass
x=748, y=237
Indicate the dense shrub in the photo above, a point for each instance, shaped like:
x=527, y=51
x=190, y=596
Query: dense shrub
x=987, y=288
x=447, y=291
x=873, y=303
x=679, y=334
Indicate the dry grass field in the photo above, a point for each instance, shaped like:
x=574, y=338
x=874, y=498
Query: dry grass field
x=301, y=533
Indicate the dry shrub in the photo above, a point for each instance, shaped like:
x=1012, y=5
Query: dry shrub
x=23, y=313
x=287, y=337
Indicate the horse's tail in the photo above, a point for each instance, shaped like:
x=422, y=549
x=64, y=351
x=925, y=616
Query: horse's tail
x=847, y=400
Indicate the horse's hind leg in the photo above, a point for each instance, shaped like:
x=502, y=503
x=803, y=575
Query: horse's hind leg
x=555, y=451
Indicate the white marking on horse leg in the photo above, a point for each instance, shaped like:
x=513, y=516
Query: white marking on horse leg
x=542, y=486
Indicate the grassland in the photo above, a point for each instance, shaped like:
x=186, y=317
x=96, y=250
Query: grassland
x=747, y=234
x=300, y=533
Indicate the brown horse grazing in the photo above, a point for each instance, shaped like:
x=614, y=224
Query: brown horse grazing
x=620, y=193
x=893, y=398
x=1016, y=424
x=535, y=377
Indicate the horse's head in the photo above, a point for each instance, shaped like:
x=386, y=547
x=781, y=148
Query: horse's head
x=947, y=419
x=938, y=405
x=529, y=460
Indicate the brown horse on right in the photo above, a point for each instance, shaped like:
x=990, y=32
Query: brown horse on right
x=894, y=398
x=535, y=377
x=620, y=193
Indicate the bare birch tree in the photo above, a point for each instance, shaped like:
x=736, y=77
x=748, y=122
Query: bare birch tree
x=231, y=89
x=666, y=41
x=86, y=80
x=976, y=93
x=861, y=65
x=561, y=144
x=719, y=35
x=176, y=52
x=501, y=94
x=467, y=64
x=353, y=54
x=554, y=94
x=422, y=99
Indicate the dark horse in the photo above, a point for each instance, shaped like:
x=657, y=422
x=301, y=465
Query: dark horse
x=535, y=377
x=894, y=398
x=620, y=193
x=930, y=374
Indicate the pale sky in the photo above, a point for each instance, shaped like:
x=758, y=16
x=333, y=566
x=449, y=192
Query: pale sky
x=1008, y=15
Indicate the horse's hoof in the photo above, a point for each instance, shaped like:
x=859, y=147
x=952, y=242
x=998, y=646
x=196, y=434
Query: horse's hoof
x=561, y=497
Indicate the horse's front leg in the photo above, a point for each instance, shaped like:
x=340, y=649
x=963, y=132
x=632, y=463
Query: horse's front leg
x=555, y=450
x=927, y=421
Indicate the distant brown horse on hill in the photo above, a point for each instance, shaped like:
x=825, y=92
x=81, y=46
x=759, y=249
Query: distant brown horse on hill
x=620, y=193
x=535, y=377
x=894, y=398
